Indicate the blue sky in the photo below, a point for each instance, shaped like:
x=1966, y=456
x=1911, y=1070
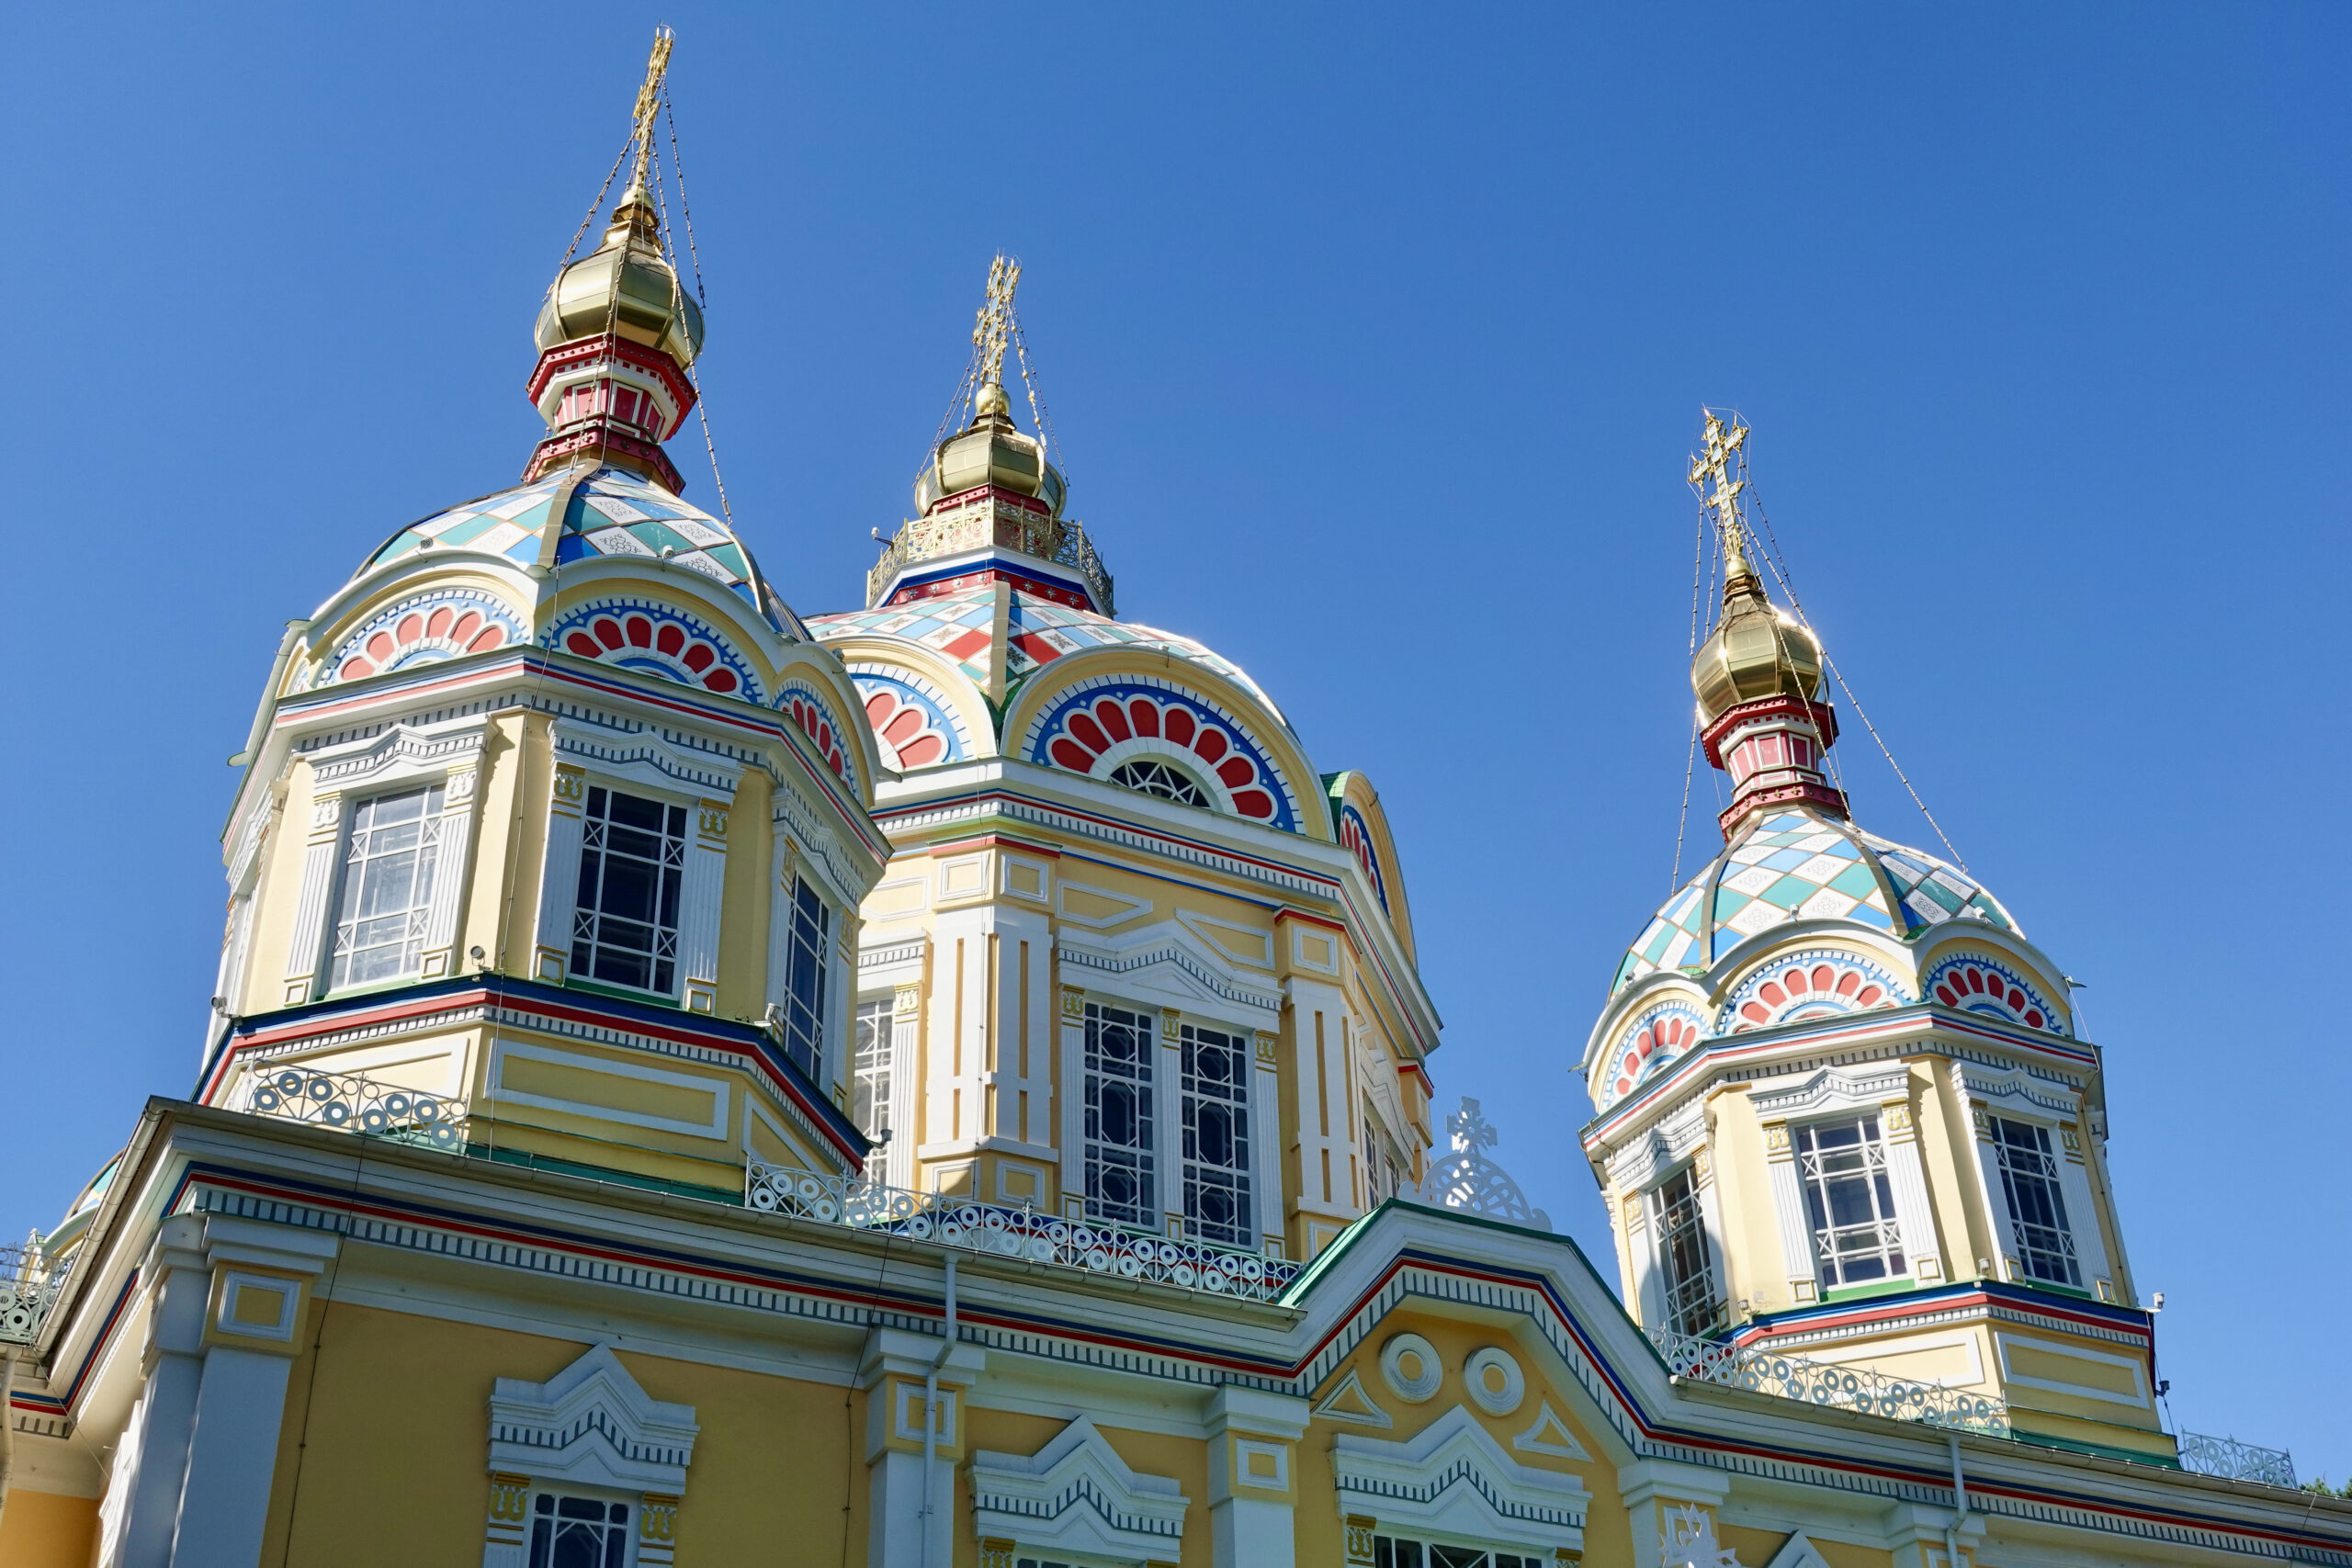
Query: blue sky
x=1376, y=338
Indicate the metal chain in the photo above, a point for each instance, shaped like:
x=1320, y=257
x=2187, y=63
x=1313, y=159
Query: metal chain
x=677, y=303
x=594, y=207
x=678, y=167
x=1778, y=567
x=1037, y=415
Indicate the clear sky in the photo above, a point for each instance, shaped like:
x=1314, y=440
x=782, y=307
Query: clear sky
x=1376, y=338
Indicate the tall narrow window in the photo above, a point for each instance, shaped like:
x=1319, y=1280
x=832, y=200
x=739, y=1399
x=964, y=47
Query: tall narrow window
x=1384, y=1167
x=1119, y=1161
x=1692, y=1304
x=2036, y=1210
x=807, y=936
x=1216, y=1135
x=579, y=1532
x=388, y=874
x=632, y=862
x=1855, y=1238
x=870, y=1074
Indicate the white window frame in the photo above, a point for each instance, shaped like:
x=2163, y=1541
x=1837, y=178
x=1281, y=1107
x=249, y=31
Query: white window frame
x=678, y=956
x=1657, y=1207
x=2005, y=1169
x=1151, y=1153
x=1191, y=1103
x=350, y=874
x=789, y=950
x=631, y=1502
x=878, y=1016
x=1879, y=1174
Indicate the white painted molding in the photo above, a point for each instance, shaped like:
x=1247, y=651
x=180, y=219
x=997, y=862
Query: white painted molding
x=400, y=752
x=1413, y=1387
x=1494, y=1400
x=1350, y=1402
x=1454, y=1480
x=590, y=1425
x=1798, y=1552
x=1551, y=1436
x=645, y=757
x=1076, y=1496
x=1829, y=1090
x=1166, y=964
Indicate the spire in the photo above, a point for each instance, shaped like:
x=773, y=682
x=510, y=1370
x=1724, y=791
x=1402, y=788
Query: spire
x=1758, y=675
x=989, y=500
x=618, y=332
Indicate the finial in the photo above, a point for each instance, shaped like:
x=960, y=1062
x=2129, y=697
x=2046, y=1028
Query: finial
x=991, y=332
x=1722, y=443
x=649, y=99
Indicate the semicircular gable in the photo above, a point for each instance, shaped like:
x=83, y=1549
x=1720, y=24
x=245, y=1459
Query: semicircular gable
x=431, y=624
x=816, y=708
x=1361, y=825
x=1975, y=981
x=632, y=630
x=1647, y=1044
x=1814, y=982
x=1105, y=723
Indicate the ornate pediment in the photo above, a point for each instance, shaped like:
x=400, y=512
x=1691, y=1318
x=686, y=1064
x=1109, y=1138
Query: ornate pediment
x=1454, y=1480
x=1076, y=1496
x=590, y=1425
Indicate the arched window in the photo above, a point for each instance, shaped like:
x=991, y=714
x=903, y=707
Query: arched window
x=1159, y=779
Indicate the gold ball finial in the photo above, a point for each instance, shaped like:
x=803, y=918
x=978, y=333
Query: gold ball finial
x=990, y=400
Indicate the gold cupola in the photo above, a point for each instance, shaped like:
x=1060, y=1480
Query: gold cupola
x=991, y=450
x=625, y=286
x=618, y=332
x=1755, y=651
x=1758, y=676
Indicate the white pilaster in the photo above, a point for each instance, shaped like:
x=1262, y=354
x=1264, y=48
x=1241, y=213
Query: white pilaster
x=2082, y=1212
x=232, y=1449
x=1266, y=1128
x=1908, y=1177
x=151, y=1466
x=449, y=868
x=700, y=896
x=307, y=944
x=1168, y=1124
x=1253, y=1476
x=1788, y=1212
x=560, y=875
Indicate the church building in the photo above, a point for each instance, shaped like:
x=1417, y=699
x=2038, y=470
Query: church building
x=945, y=1082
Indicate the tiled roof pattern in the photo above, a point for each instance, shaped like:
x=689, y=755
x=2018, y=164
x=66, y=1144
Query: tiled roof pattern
x=1038, y=631
x=1801, y=864
x=613, y=513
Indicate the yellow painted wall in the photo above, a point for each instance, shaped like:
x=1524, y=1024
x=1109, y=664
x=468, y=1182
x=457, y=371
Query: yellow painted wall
x=41, y=1529
x=1760, y=1546
x=748, y=901
x=773, y=1464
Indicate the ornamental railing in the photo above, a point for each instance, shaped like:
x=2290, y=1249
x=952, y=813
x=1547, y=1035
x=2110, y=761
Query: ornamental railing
x=2233, y=1461
x=1001, y=1230
x=984, y=522
x=30, y=1285
x=353, y=1104
x=1829, y=1386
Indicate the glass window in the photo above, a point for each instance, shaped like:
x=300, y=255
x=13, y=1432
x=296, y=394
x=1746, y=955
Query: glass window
x=1159, y=779
x=1215, y=1067
x=870, y=1075
x=1119, y=1160
x=1403, y=1551
x=1692, y=1304
x=579, y=1532
x=1855, y=1236
x=2036, y=1209
x=632, y=863
x=388, y=871
x=1384, y=1167
x=808, y=937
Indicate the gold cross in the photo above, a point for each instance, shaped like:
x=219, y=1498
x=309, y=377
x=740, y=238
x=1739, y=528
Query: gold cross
x=648, y=97
x=994, y=327
x=1722, y=447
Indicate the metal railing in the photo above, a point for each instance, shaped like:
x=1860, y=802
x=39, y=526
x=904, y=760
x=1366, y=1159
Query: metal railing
x=1829, y=1386
x=1001, y=1230
x=29, y=1284
x=982, y=523
x=2235, y=1461
x=354, y=1104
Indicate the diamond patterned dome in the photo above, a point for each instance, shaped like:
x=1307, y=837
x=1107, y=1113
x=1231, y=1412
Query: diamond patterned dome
x=1800, y=865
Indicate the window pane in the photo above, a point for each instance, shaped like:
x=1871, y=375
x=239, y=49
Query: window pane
x=625, y=929
x=809, y=925
x=390, y=861
x=1850, y=1202
x=1691, y=1306
x=1215, y=1069
x=870, y=1086
x=2045, y=1245
x=1118, y=1117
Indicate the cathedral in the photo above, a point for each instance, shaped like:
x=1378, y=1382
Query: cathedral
x=945, y=1082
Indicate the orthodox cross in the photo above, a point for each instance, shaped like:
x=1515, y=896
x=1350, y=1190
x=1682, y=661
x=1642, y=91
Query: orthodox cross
x=1469, y=1129
x=648, y=97
x=1722, y=449
x=994, y=328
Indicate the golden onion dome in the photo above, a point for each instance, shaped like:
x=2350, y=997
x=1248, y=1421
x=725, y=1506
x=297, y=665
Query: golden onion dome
x=990, y=451
x=1755, y=651
x=652, y=308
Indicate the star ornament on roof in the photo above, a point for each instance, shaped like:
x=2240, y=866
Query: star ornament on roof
x=1468, y=1181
